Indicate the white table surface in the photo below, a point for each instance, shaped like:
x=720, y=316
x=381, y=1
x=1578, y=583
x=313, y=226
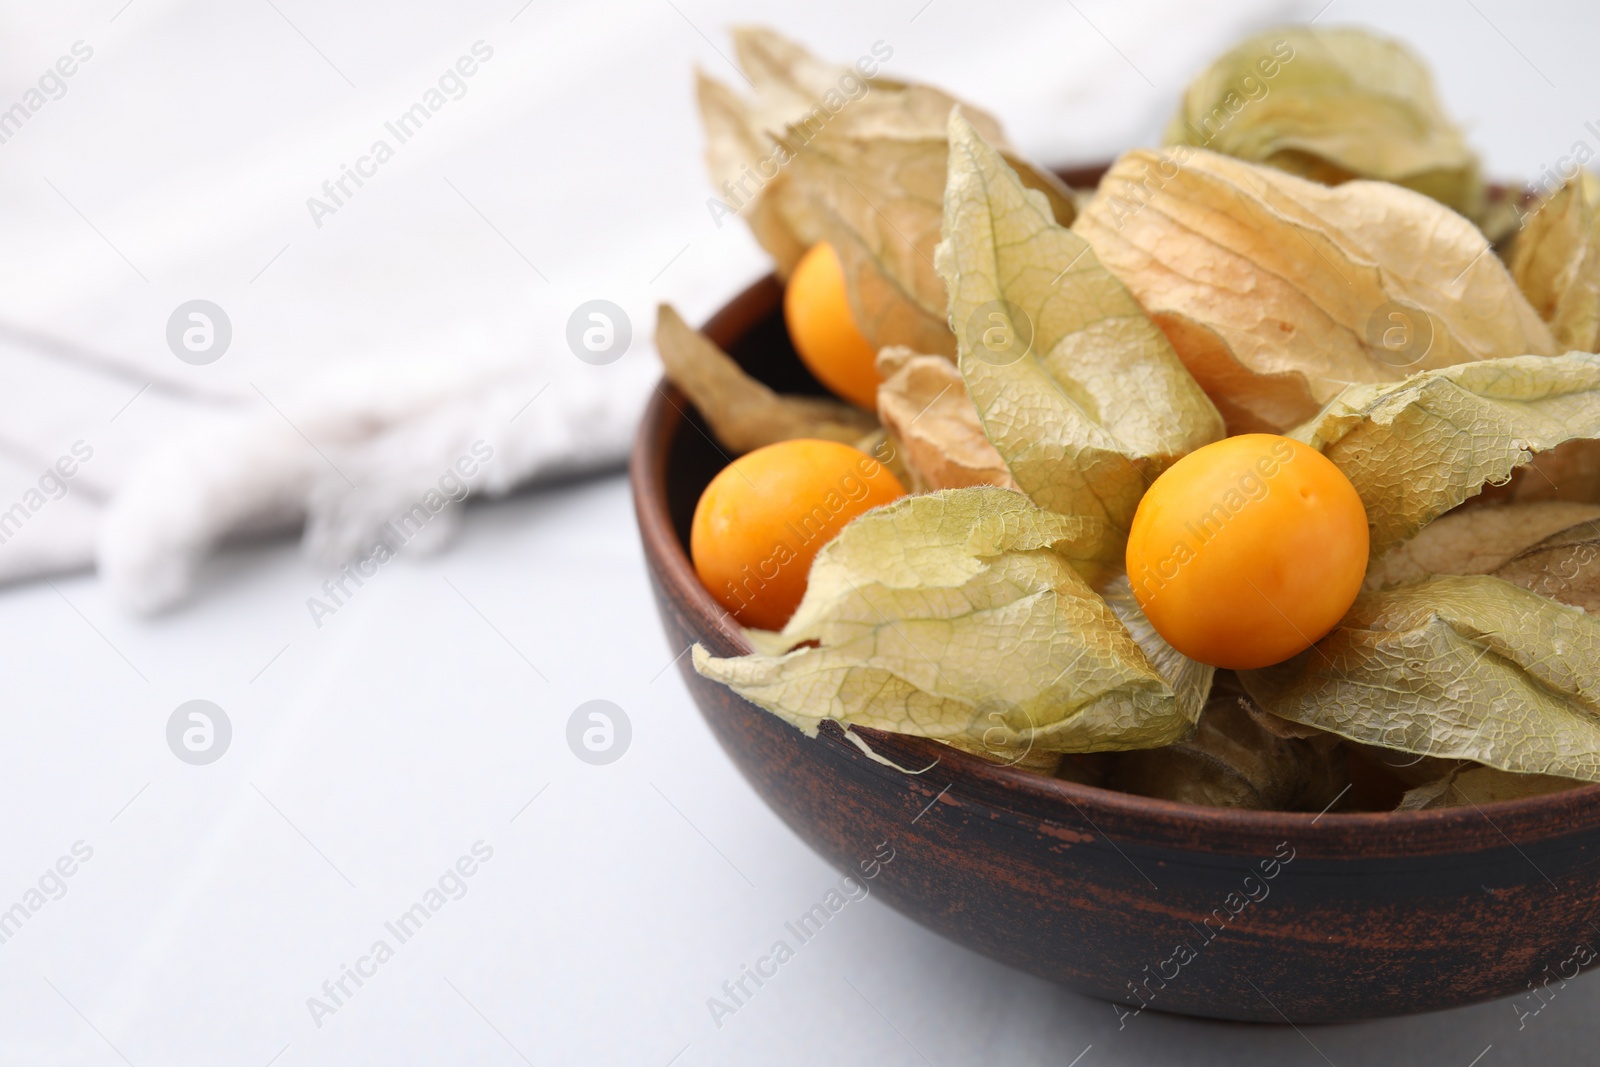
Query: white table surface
x=373, y=752
x=430, y=713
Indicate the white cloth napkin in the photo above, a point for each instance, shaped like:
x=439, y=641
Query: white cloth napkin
x=533, y=160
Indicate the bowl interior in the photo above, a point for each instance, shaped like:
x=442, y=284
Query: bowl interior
x=751, y=329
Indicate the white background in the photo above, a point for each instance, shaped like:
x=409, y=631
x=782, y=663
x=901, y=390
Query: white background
x=368, y=754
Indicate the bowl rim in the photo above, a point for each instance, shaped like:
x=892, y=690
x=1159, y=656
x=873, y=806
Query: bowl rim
x=1439, y=830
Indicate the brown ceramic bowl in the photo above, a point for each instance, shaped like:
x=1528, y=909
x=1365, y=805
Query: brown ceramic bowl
x=1268, y=916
